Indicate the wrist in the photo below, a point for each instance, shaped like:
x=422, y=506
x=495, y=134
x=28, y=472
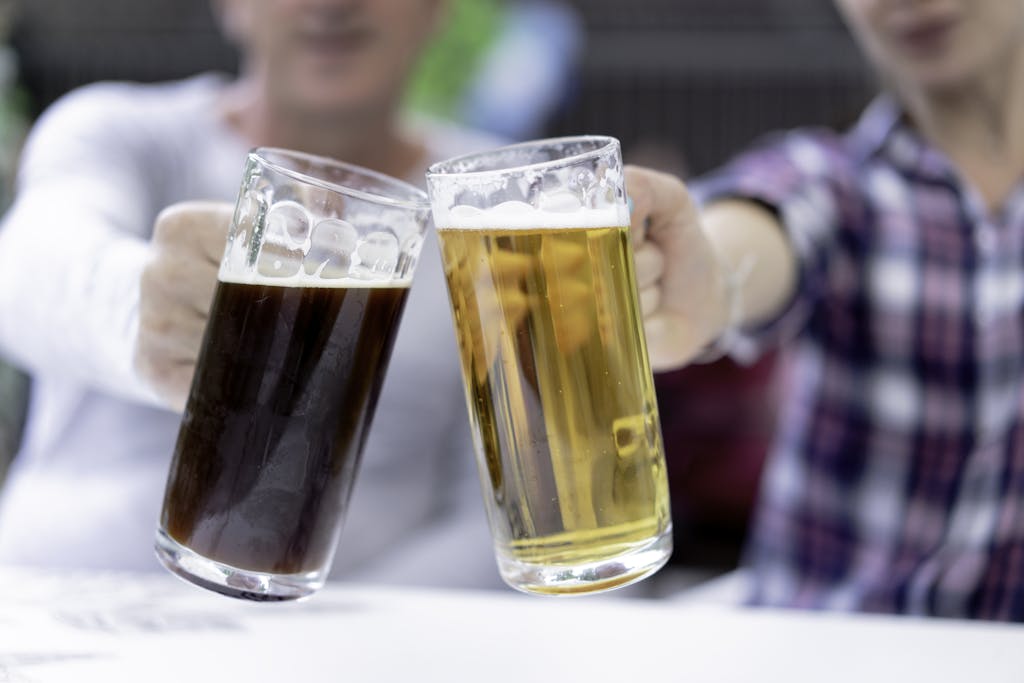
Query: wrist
x=725, y=340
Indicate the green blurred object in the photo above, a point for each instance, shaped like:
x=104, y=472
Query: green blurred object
x=14, y=384
x=451, y=61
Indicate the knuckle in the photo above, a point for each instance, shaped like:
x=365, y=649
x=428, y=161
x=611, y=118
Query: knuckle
x=168, y=224
x=181, y=219
x=147, y=340
x=143, y=363
x=158, y=374
x=151, y=279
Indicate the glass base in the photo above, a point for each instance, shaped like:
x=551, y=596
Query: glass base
x=232, y=581
x=585, y=579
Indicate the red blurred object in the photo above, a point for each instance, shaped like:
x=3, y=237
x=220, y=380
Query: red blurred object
x=717, y=420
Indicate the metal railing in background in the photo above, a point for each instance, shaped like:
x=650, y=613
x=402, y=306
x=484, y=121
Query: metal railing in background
x=703, y=78
x=63, y=44
x=706, y=14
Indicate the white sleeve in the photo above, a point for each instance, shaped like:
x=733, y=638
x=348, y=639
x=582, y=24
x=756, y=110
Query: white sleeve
x=73, y=246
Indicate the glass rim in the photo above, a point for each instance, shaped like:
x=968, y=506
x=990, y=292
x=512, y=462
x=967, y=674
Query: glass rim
x=607, y=142
x=422, y=202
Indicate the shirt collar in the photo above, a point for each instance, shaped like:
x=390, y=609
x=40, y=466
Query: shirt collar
x=884, y=132
x=872, y=131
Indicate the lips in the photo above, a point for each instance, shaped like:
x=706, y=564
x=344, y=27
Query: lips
x=926, y=36
x=341, y=42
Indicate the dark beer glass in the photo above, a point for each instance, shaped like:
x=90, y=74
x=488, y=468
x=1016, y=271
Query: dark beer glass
x=318, y=262
x=539, y=265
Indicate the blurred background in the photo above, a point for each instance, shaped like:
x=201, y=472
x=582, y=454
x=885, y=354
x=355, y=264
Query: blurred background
x=682, y=83
x=704, y=76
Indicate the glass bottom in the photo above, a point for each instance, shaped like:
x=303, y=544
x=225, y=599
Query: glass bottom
x=232, y=581
x=584, y=579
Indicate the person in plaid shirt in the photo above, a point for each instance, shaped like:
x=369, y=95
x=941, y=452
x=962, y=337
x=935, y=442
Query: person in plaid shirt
x=892, y=259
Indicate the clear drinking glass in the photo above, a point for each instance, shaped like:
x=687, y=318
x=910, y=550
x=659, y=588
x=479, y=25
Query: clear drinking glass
x=318, y=262
x=539, y=265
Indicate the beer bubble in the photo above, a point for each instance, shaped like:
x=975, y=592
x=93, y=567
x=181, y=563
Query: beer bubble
x=464, y=212
x=409, y=255
x=512, y=207
x=550, y=183
x=560, y=202
x=331, y=245
x=288, y=222
x=236, y=251
x=278, y=261
x=282, y=250
x=534, y=187
x=376, y=255
x=469, y=198
x=581, y=183
x=247, y=213
x=606, y=193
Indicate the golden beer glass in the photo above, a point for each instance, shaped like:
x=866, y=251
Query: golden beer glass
x=539, y=265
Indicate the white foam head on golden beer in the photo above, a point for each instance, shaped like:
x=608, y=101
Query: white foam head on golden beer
x=558, y=210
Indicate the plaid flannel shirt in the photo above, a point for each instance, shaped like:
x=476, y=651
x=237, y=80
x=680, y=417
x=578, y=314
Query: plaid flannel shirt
x=896, y=479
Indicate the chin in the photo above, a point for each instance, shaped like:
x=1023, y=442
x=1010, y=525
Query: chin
x=325, y=104
x=341, y=89
x=938, y=77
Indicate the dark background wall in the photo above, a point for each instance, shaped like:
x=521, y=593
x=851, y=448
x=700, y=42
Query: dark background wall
x=710, y=75
x=704, y=76
x=65, y=43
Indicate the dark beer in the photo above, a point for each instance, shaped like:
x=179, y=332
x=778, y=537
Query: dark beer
x=280, y=407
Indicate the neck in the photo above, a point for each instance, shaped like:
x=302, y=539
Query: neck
x=978, y=126
x=365, y=138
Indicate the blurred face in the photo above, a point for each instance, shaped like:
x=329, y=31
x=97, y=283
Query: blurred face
x=936, y=44
x=326, y=57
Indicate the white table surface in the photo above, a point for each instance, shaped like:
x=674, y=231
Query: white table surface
x=109, y=627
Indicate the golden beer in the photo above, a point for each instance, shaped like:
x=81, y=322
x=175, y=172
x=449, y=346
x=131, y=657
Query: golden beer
x=562, y=403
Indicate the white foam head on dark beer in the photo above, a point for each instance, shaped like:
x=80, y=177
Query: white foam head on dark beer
x=559, y=210
x=302, y=279
x=299, y=251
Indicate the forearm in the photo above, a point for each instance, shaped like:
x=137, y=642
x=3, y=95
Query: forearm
x=753, y=246
x=69, y=284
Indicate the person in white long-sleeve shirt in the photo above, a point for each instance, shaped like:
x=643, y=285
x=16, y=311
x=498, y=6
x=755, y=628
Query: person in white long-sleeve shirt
x=112, y=358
